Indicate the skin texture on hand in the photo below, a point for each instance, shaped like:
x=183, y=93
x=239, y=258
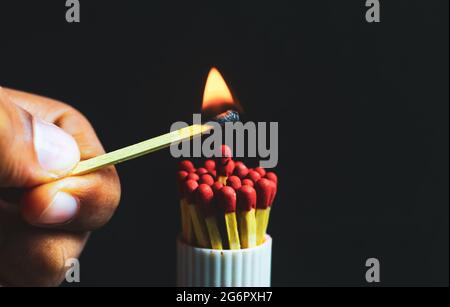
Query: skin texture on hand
x=45, y=216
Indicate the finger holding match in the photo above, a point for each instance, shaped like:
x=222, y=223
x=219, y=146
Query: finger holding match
x=195, y=214
x=227, y=204
x=263, y=189
x=205, y=198
x=246, y=204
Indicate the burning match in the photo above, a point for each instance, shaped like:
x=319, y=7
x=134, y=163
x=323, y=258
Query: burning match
x=224, y=203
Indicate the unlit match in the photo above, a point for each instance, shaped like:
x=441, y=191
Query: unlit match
x=229, y=204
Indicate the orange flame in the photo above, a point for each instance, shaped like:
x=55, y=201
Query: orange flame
x=217, y=97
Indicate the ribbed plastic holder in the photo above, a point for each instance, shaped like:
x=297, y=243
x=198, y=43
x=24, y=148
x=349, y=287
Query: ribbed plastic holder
x=203, y=267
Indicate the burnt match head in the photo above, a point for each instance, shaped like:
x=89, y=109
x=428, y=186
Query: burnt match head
x=229, y=116
x=226, y=198
x=246, y=198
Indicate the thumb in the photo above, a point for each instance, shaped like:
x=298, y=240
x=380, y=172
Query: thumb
x=32, y=151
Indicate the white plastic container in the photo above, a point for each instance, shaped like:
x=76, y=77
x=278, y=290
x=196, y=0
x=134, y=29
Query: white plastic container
x=202, y=267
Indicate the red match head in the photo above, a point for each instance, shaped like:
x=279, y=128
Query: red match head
x=225, y=151
x=181, y=177
x=254, y=176
x=261, y=171
x=264, y=190
x=206, y=179
x=274, y=192
x=272, y=177
x=187, y=166
x=240, y=170
x=248, y=182
x=234, y=182
x=217, y=186
x=189, y=188
x=204, y=196
x=213, y=173
x=226, y=169
x=210, y=165
x=201, y=170
x=193, y=176
x=226, y=198
x=246, y=198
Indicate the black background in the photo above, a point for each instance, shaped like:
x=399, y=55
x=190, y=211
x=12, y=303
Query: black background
x=362, y=111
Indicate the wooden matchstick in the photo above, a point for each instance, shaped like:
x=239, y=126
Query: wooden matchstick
x=205, y=199
x=246, y=204
x=227, y=203
x=263, y=188
x=139, y=149
x=186, y=224
x=198, y=223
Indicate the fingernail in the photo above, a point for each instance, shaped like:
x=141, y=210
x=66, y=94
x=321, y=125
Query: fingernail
x=56, y=150
x=63, y=208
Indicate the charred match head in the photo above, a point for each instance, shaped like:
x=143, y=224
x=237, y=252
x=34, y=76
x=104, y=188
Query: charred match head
x=229, y=116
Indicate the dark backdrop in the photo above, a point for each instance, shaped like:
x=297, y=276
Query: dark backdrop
x=362, y=110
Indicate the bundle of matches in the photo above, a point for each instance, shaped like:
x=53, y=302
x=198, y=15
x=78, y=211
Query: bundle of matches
x=224, y=204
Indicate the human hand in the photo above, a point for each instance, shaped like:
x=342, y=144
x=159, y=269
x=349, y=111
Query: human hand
x=45, y=216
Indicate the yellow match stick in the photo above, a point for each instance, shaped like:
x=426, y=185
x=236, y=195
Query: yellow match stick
x=200, y=231
x=247, y=228
x=139, y=149
x=262, y=220
x=246, y=204
x=232, y=230
x=227, y=203
x=186, y=223
x=214, y=233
